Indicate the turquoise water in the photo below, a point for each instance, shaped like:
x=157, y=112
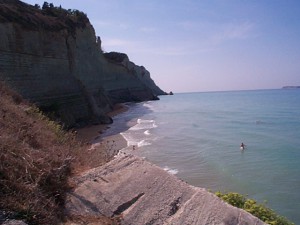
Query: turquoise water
x=197, y=137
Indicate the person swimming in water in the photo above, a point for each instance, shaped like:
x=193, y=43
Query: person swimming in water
x=243, y=146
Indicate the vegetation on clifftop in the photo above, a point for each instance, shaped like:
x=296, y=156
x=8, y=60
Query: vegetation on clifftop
x=260, y=211
x=35, y=17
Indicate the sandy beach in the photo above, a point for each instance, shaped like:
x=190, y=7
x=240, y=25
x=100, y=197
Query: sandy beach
x=91, y=133
x=102, y=148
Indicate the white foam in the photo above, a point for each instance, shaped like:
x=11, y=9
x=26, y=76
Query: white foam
x=139, y=135
x=144, y=121
x=171, y=171
x=143, y=143
x=144, y=124
x=131, y=141
x=148, y=105
x=147, y=132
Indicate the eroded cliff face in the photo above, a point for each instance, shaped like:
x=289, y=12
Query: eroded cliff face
x=55, y=60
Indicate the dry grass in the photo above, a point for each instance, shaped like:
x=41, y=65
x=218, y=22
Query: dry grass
x=36, y=159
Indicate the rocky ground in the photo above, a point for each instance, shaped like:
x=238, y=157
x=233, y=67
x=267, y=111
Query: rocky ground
x=134, y=191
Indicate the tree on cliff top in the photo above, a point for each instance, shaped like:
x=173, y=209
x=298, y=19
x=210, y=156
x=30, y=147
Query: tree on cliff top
x=49, y=17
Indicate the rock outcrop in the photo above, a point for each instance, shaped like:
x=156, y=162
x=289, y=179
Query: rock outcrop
x=142, y=193
x=291, y=87
x=52, y=57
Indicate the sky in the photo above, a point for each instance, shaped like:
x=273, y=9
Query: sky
x=202, y=45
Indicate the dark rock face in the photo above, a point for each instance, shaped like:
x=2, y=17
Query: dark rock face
x=53, y=58
x=291, y=87
x=116, y=56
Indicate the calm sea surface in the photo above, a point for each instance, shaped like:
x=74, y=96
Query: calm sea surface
x=197, y=136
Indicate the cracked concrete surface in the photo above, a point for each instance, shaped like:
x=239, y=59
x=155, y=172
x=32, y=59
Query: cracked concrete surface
x=142, y=193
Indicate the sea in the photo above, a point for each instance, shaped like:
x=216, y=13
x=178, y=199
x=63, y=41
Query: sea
x=197, y=137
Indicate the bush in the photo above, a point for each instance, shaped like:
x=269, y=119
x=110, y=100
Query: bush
x=48, y=17
x=260, y=211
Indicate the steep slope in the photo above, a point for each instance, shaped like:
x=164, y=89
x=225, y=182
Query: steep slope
x=34, y=162
x=142, y=193
x=36, y=159
x=52, y=57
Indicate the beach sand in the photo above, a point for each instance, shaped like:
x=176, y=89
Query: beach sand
x=100, y=149
x=91, y=133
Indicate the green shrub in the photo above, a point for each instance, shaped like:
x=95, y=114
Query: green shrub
x=259, y=210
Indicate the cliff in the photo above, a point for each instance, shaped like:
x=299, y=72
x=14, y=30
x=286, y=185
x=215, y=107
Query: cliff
x=52, y=57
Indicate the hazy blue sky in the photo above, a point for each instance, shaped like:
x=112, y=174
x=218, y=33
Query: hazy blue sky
x=202, y=45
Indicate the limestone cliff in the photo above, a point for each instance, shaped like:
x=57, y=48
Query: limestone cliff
x=53, y=58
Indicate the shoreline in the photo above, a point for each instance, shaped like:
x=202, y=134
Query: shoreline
x=99, y=142
x=112, y=144
x=92, y=133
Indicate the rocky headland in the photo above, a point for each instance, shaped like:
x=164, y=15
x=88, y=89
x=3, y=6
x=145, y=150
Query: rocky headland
x=52, y=57
x=291, y=87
